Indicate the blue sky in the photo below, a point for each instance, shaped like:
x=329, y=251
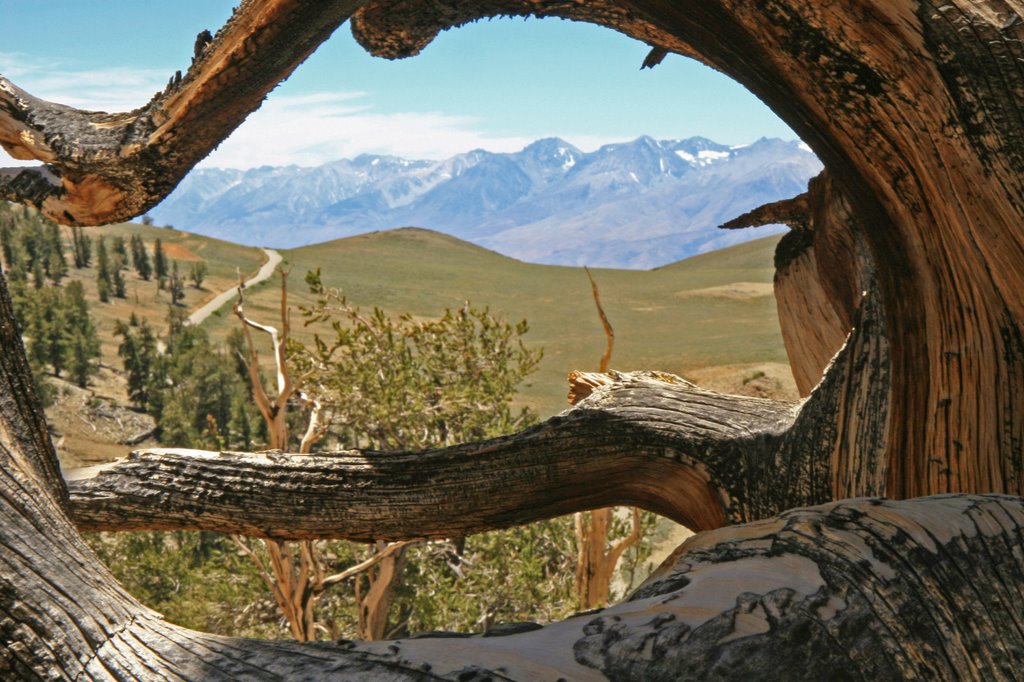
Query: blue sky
x=496, y=84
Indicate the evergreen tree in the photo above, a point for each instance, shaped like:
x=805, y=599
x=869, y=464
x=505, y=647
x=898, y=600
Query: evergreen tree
x=58, y=264
x=177, y=285
x=193, y=390
x=140, y=258
x=117, y=277
x=103, y=278
x=81, y=246
x=33, y=243
x=159, y=264
x=83, y=344
x=82, y=354
x=47, y=329
x=76, y=247
x=138, y=352
x=7, y=244
x=120, y=249
x=38, y=275
x=198, y=273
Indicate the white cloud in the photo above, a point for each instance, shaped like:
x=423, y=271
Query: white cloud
x=305, y=130
x=308, y=130
x=112, y=89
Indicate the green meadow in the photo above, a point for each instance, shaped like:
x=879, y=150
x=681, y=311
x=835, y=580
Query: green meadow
x=712, y=310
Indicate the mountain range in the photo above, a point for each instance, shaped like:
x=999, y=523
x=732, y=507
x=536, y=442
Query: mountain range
x=638, y=204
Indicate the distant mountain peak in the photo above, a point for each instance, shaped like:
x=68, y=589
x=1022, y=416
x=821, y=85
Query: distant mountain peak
x=639, y=203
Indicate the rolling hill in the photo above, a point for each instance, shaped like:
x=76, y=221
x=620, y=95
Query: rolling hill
x=710, y=318
x=712, y=311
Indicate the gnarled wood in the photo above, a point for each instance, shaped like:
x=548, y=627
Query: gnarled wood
x=913, y=108
x=105, y=167
x=913, y=105
x=653, y=442
x=822, y=269
x=644, y=439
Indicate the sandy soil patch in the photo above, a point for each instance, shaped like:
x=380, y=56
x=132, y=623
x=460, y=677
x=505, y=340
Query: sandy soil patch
x=180, y=252
x=760, y=380
x=89, y=425
x=737, y=291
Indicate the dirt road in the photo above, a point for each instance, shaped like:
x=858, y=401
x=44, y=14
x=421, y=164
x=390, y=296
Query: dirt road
x=273, y=259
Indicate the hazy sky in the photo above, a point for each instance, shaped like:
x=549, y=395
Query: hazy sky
x=496, y=84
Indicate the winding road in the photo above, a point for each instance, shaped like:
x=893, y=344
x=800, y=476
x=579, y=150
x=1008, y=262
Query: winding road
x=214, y=304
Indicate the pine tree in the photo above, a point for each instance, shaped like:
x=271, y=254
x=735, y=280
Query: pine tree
x=159, y=264
x=138, y=353
x=7, y=245
x=177, y=285
x=103, y=279
x=33, y=243
x=83, y=344
x=120, y=249
x=76, y=247
x=38, y=275
x=198, y=273
x=56, y=264
x=117, y=277
x=140, y=258
x=81, y=248
x=47, y=328
x=80, y=357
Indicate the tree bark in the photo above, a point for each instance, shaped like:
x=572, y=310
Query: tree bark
x=913, y=108
x=913, y=105
x=647, y=440
x=103, y=168
x=891, y=590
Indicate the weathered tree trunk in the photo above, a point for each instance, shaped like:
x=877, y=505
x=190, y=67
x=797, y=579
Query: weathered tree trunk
x=892, y=590
x=911, y=104
x=595, y=560
x=914, y=107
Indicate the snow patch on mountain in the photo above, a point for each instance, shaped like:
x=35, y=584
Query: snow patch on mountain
x=635, y=204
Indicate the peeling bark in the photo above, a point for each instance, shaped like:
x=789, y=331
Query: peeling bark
x=914, y=108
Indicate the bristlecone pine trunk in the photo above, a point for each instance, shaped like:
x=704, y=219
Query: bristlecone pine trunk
x=915, y=240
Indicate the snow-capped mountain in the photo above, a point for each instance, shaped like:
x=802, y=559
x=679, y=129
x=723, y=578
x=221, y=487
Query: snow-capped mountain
x=636, y=204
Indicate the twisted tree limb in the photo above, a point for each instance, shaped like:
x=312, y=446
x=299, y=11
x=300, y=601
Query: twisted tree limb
x=102, y=168
x=642, y=440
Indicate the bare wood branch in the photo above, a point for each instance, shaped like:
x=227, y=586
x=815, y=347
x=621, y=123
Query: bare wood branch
x=795, y=213
x=625, y=543
x=274, y=411
x=367, y=564
x=315, y=429
x=642, y=440
x=259, y=393
x=608, y=331
x=104, y=168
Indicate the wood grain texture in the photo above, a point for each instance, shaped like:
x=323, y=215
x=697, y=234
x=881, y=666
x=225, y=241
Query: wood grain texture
x=648, y=440
x=914, y=107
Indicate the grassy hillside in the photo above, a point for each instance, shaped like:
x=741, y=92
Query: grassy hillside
x=224, y=261
x=709, y=311
x=711, y=318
